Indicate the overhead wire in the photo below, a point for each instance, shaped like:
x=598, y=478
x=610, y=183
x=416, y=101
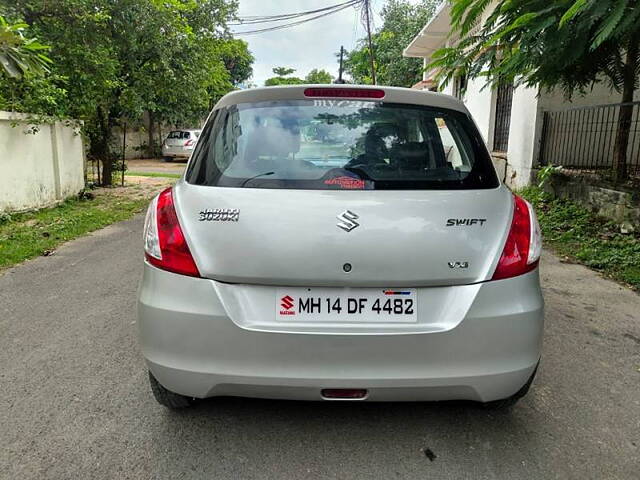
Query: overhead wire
x=252, y=19
x=323, y=13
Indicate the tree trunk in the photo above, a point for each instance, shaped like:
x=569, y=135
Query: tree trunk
x=103, y=136
x=107, y=171
x=620, y=173
x=151, y=141
x=160, y=136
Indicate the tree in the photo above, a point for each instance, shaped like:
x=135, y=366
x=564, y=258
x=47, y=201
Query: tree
x=24, y=83
x=18, y=54
x=238, y=60
x=401, y=21
x=117, y=59
x=318, y=76
x=283, y=71
x=275, y=81
x=282, y=77
x=566, y=44
x=42, y=96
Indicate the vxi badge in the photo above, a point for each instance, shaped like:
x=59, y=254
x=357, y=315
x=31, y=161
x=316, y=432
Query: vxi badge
x=458, y=222
x=458, y=264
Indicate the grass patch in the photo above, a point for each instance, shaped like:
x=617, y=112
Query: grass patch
x=575, y=232
x=153, y=174
x=28, y=235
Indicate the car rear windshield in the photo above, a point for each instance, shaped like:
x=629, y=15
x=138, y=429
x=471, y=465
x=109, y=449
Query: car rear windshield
x=179, y=135
x=338, y=144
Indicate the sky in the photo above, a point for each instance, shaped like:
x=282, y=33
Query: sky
x=303, y=47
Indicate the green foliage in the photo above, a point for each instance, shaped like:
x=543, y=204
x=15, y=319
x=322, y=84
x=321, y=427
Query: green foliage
x=575, y=232
x=570, y=44
x=283, y=71
x=28, y=235
x=237, y=59
x=318, y=76
x=282, y=77
x=401, y=21
x=117, y=59
x=358, y=66
x=274, y=81
x=546, y=172
x=20, y=55
x=33, y=93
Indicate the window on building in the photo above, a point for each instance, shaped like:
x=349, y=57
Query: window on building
x=504, y=99
x=459, y=86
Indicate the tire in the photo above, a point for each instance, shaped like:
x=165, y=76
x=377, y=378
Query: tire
x=168, y=399
x=509, y=402
x=167, y=159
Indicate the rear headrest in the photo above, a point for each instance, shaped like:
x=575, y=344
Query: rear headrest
x=411, y=154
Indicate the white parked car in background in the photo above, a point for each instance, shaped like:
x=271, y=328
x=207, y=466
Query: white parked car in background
x=179, y=144
x=340, y=243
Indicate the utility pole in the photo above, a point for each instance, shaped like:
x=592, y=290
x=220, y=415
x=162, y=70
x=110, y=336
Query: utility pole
x=340, y=80
x=371, y=54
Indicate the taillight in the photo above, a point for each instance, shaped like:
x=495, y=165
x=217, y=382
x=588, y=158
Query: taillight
x=188, y=143
x=344, y=92
x=524, y=243
x=164, y=243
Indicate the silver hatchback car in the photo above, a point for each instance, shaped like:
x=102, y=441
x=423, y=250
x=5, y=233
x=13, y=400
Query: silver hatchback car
x=340, y=243
x=179, y=144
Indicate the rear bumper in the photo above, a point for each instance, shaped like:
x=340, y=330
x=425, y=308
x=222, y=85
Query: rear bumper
x=194, y=348
x=176, y=152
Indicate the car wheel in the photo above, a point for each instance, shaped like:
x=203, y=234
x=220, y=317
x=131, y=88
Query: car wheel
x=508, y=402
x=166, y=398
x=167, y=159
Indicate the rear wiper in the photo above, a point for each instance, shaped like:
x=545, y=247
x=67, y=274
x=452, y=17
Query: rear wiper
x=265, y=174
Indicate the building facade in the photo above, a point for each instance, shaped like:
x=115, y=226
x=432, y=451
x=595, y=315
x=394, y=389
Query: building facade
x=511, y=119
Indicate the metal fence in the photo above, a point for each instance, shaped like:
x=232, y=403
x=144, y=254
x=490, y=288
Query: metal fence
x=583, y=138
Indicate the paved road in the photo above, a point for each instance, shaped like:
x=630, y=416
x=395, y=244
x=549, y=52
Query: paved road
x=75, y=404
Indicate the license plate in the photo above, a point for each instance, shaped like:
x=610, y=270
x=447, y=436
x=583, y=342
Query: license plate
x=348, y=305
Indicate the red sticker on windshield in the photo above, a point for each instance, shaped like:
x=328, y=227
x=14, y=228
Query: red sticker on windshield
x=348, y=183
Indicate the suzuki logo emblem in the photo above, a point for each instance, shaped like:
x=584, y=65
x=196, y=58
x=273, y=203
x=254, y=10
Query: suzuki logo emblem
x=286, y=302
x=347, y=220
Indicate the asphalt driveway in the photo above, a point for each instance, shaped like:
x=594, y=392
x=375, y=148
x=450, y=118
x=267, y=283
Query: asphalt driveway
x=75, y=402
